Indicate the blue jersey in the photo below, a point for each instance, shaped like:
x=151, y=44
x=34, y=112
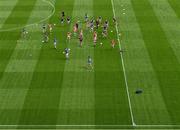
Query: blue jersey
x=67, y=50
x=55, y=40
x=89, y=61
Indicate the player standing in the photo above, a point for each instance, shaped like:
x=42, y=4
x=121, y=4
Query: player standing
x=97, y=23
x=114, y=21
x=44, y=28
x=55, y=43
x=24, y=33
x=86, y=17
x=68, y=20
x=100, y=19
x=81, y=37
x=66, y=52
x=45, y=37
x=95, y=38
x=75, y=28
x=62, y=14
x=113, y=43
x=89, y=63
x=92, y=25
x=69, y=36
x=50, y=27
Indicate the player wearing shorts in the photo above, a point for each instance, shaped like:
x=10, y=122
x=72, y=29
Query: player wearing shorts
x=81, y=38
x=113, y=43
x=95, y=38
x=75, y=29
x=55, y=43
x=66, y=52
x=90, y=66
x=69, y=36
x=50, y=27
x=68, y=20
x=86, y=17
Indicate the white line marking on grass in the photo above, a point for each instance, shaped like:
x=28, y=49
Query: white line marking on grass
x=43, y=20
x=136, y=126
x=124, y=70
x=158, y=126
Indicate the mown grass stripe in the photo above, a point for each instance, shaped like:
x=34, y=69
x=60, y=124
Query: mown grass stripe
x=10, y=114
x=110, y=90
x=4, y=14
x=77, y=95
x=139, y=70
x=14, y=36
x=44, y=110
x=175, y=4
x=170, y=23
x=161, y=54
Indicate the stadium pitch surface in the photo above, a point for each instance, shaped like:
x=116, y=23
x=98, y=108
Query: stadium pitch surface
x=39, y=88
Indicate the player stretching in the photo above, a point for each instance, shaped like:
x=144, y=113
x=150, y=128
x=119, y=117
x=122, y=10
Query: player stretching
x=95, y=38
x=90, y=63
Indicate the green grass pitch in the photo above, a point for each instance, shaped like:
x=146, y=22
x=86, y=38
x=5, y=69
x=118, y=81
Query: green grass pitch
x=39, y=88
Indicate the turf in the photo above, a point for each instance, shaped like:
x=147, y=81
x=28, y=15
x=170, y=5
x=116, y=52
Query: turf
x=39, y=88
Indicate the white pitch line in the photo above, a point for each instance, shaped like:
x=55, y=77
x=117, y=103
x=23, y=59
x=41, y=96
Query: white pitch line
x=158, y=126
x=124, y=70
x=15, y=28
x=66, y=125
x=141, y=126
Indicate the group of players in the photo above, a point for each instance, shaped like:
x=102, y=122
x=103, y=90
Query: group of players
x=91, y=24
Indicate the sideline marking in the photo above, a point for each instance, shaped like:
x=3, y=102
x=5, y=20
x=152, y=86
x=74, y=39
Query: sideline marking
x=124, y=70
